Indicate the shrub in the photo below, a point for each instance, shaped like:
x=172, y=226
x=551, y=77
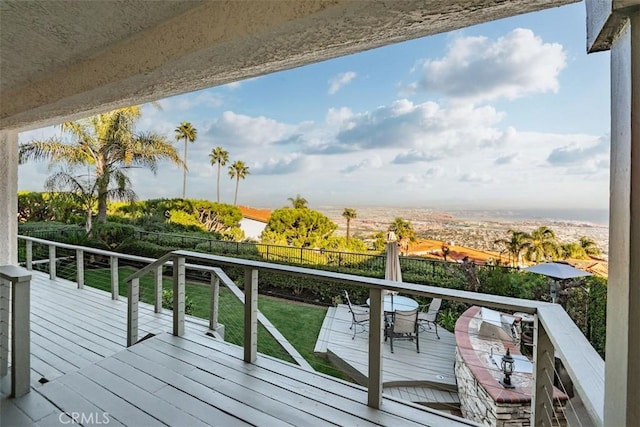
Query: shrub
x=145, y=249
x=167, y=301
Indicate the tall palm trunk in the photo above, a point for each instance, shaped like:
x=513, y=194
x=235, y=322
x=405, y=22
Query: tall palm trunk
x=219, y=166
x=348, y=228
x=103, y=189
x=235, y=199
x=184, y=171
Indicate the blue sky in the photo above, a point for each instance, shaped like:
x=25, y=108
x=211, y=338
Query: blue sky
x=509, y=114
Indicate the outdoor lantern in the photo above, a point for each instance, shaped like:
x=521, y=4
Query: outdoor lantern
x=507, y=369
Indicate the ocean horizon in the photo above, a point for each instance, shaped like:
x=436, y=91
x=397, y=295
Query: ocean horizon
x=594, y=216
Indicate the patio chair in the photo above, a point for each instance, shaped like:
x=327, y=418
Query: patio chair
x=359, y=316
x=404, y=326
x=430, y=317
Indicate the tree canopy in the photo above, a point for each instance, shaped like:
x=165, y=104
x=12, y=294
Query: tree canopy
x=300, y=227
x=108, y=143
x=220, y=157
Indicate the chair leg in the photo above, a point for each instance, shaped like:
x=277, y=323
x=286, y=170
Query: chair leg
x=436, y=326
x=417, y=341
x=391, y=340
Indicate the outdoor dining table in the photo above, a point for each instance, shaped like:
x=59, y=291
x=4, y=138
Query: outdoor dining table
x=394, y=303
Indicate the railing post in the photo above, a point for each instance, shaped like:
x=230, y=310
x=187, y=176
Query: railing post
x=542, y=410
x=5, y=301
x=133, y=297
x=215, y=292
x=19, y=282
x=158, y=290
x=179, y=275
x=374, y=398
x=80, y=268
x=250, y=315
x=52, y=262
x=29, y=254
x=114, y=277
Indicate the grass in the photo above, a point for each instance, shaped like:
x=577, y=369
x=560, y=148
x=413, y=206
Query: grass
x=299, y=323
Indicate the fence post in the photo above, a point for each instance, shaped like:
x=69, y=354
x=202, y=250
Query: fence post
x=158, y=290
x=250, y=315
x=301, y=255
x=133, y=296
x=215, y=292
x=179, y=274
x=268, y=252
x=29, y=254
x=542, y=410
x=80, y=268
x=114, y=277
x=374, y=388
x=52, y=262
x=16, y=281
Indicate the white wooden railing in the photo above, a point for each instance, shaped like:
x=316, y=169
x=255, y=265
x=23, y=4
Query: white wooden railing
x=15, y=299
x=155, y=267
x=555, y=332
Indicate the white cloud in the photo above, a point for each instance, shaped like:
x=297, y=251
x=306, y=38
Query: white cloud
x=506, y=159
x=242, y=130
x=414, y=156
x=283, y=166
x=426, y=126
x=337, y=82
x=478, y=69
x=474, y=177
x=374, y=162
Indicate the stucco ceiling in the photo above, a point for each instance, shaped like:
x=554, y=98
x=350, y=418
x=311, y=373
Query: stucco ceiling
x=66, y=59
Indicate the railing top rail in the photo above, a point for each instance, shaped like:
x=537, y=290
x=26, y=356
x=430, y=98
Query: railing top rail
x=88, y=249
x=144, y=270
x=500, y=302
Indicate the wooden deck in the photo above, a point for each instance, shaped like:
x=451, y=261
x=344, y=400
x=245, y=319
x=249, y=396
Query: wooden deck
x=426, y=377
x=78, y=346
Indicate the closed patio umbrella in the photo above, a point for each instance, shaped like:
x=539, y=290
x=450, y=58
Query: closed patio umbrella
x=392, y=268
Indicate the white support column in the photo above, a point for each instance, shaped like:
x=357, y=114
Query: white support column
x=542, y=412
x=615, y=25
x=376, y=326
x=158, y=290
x=80, y=268
x=8, y=197
x=133, y=297
x=115, y=291
x=52, y=262
x=179, y=277
x=250, y=315
x=215, y=293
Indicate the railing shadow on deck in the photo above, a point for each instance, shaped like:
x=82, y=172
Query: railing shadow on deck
x=554, y=331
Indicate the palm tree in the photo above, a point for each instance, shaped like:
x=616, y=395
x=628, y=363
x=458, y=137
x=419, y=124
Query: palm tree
x=403, y=230
x=590, y=246
x=238, y=170
x=219, y=157
x=188, y=133
x=85, y=192
x=349, y=214
x=298, y=202
x=573, y=250
x=515, y=245
x=542, y=245
x=109, y=144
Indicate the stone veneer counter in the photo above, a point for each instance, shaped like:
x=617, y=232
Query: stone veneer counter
x=482, y=397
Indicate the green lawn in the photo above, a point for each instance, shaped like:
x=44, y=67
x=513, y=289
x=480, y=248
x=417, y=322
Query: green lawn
x=299, y=323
